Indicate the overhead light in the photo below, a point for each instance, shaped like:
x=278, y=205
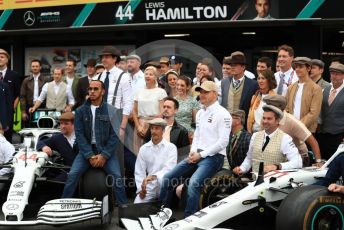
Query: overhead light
x=176, y=35
x=341, y=31
x=248, y=33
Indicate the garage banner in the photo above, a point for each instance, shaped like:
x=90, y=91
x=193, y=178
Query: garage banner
x=86, y=13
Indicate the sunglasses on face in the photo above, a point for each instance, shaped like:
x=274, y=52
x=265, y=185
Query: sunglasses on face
x=93, y=88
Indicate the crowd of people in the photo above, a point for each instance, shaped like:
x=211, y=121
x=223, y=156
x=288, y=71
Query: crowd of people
x=169, y=126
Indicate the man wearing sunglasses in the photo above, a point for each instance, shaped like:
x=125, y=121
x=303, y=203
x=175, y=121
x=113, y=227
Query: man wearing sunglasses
x=95, y=131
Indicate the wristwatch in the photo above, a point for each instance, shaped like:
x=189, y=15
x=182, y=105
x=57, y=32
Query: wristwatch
x=319, y=160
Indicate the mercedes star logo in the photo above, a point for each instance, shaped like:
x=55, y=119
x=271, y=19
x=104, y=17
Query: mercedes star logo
x=29, y=18
x=12, y=206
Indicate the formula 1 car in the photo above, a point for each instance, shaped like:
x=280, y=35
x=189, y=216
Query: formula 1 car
x=29, y=170
x=302, y=207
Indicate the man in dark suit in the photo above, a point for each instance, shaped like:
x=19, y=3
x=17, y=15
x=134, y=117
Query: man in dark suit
x=332, y=110
x=10, y=78
x=31, y=89
x=237, y=91
x=84, y=82
x=6, y=111
x=174, y=132
x=64, y=142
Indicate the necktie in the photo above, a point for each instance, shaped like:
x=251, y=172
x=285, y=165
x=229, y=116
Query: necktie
x=267, y=139
x=236, y=84
x=106, y=83
x=280, y=85
x=167, y=133
x=332, y=96
x=1, y=76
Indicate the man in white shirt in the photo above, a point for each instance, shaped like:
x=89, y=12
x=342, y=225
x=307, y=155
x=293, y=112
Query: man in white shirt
x=286, y=76
x=59, y=95
x=271, y=146
x=110, y=56
x=155, y=158
x=137, y=80
x=71, y=79
x=211, y=137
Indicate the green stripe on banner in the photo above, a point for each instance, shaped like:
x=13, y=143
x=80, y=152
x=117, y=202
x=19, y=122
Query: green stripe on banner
x=86, y=11
x=133, y=4
x=4, y=17
x=310, y=8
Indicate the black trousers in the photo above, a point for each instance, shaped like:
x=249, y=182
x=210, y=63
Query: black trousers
x=329, y=143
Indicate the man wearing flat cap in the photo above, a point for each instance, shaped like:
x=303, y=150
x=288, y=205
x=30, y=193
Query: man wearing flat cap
x=211, y=137
x=154, y=160
x=11, y=79
x=64, y=143
x=316, y=73
x=239, y=140
x=118, y=91
x=238, y=90
x=304, y=96
x=84, y=82
x=332, y=111
x=296, y=129
x=271, y=146
x=137, y=79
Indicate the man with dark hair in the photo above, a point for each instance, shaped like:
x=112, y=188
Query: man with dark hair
x=263, y=64
x=84, y=82
x=174, y=132
x=226, y=68
x=316, y=73
x=95, y=130
x=286, y=76
x=31, y=89
x=296, y=129
x=263, y=10
x=271, y=146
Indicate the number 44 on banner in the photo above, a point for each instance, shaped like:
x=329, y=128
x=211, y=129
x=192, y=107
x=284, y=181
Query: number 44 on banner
x=127, y=14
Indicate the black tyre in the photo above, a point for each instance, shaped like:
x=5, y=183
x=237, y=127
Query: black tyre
x=311, y=207
x=95, y=184
x=221, y=185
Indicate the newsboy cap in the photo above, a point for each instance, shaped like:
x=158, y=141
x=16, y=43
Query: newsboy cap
x=238, y=113
x=318, y=62
x=158, y=121
x=276, y=100
x=207, y=86
x=337, y=67
x=164, y=60
x=302, y=61
x=275, y=109
x=134, y=56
